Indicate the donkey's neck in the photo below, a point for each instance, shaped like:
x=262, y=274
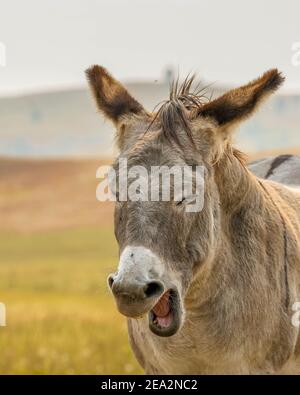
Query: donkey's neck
x=240, y=196
x=237, y=186
x=244, y=291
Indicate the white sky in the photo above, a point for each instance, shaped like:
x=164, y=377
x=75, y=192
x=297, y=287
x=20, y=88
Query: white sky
x=49, y=43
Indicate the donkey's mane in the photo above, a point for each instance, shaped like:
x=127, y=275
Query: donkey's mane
x=176, y=112
x=185, y=102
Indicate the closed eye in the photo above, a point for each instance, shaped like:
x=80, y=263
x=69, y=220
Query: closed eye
x=187, y=200
x=180, y=202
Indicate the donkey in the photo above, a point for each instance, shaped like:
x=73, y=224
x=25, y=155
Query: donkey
x=208, y=292
x=281, y=168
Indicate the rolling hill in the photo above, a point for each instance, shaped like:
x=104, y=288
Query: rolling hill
x=66, y=123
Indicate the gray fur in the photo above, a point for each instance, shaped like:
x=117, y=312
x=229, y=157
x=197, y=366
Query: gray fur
x=288, y=172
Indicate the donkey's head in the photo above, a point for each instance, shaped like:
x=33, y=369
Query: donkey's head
x=164, y=246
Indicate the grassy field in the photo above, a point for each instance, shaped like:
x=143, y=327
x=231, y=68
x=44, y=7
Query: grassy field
x=60, y=316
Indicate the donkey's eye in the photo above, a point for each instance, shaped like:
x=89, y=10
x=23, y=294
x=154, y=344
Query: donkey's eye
x=187, y=200
x=181, y=201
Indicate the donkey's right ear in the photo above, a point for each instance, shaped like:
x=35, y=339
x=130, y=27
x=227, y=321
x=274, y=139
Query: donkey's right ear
x=110, y=95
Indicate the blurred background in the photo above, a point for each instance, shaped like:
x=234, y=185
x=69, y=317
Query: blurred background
x=56, y=241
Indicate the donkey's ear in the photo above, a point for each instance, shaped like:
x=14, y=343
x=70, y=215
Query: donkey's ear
x=238, y=104
x=110, y=95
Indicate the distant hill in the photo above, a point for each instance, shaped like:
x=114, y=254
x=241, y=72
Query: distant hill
x=38, y=195
x=62, y=123
x=66, y=123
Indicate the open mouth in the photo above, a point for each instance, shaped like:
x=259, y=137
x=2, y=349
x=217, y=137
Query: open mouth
x=164, y=318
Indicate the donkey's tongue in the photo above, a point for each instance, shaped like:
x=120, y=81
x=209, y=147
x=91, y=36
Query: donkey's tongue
x=162, y=307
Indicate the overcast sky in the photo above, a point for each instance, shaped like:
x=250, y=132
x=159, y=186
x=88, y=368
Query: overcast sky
x=49, y=43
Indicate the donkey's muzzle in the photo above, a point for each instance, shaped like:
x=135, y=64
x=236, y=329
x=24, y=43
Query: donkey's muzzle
x=134, y=298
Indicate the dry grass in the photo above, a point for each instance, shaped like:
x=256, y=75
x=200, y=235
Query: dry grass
x=56, y=249
x=38, y=195
x=60, y=316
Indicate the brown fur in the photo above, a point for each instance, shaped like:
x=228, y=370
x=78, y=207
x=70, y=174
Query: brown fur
x=237, y=262
x=111, y=97
x=239, y=103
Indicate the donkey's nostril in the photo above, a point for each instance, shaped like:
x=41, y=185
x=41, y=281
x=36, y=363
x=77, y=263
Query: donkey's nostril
x=153, y=288
x=110, y=280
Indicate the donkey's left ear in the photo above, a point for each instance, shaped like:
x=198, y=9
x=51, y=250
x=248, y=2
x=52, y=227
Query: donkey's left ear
x=238, y=104
x=111, y=96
